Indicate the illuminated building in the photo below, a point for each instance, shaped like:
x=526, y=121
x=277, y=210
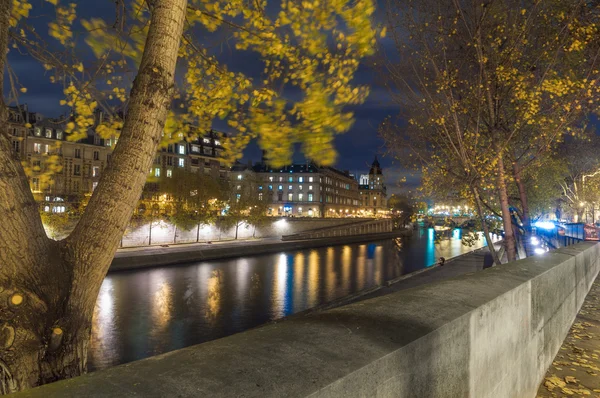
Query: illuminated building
x=373, y=192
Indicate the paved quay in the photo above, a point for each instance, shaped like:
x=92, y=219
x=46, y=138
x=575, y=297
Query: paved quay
x=154, y=256
x=575, y=371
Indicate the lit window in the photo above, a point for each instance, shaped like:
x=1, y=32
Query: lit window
x=300, y=179
x=35, y=184
x=59, y=134
x=38, y=132
x=300, y=187
x=310, y=179
x=291, y=179
x=217, y=142
x=46, y=148
x=237, y=197
x=290, y=187
x=300, y=197
x=37, y=147
x=270, y=187
x=291, y=197
x=239, y=187
x=206, y=140
x=95, y=171
x=310, y=187
x=47, y=198
x=260, y=187
x=46, y=208
x=280, y=179
x=107, y=142
x=239, y=177
x=181, y=162
x=280, y=187
x=260, y=196
x=157, y=172
x=169, y=173
x=181, y=150
x=48, y=133
x=94, y=185
x=271, y=178
x=195, y=148
x=310, y=197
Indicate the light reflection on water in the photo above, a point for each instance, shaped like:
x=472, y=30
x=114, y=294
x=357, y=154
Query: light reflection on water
x=148, y=312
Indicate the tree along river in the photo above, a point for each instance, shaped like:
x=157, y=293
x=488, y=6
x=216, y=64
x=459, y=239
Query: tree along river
x=148, y=312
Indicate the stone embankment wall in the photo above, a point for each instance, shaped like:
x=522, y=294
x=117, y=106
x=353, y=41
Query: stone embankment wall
x=491, y=334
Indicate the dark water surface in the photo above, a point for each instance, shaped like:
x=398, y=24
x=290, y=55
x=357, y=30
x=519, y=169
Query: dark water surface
x=148, y=312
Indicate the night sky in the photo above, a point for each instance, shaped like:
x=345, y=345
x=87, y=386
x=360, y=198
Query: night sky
x=356, y=149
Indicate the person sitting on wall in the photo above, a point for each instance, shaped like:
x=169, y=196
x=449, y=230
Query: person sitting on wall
x=442, y=261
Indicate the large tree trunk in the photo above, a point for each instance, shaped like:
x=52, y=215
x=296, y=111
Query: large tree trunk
x=509, y=237
x=525, y=218
x=49, y=289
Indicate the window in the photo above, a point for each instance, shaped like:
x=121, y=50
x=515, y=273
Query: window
x=95, y=171
x=217, y=142
x=94, y=185
x=291, y=179
x=157, y=172
x=280, y=187
x=300, y=197
x=310, y=187
x=78, y=153
x=76, y=186
x=58, y=209
x=170, y=148
x=35, y=184
x=14, y=131
x=310, y=179
x=290, y=187
x=280, y=196
x=290, y=197
x=195, y=148
x=48, y=133
x=181, y=162
x=300, y=187
x=270, y=187
x=260, y=187
x=46, y=148
x=169, y=160
x=181, y=150
x=107, y=142
x=16, y=145
x=239, y=177
x=96, y=155
x=260, y=196
x=271, y=178
x=77, y=170
x=206, y=140
x=310, y=197
x=46, y=208
x=37, y=147
x=280, y=179
x=300, y=179
x=237, y=197
x=59, y=135
x=38, y=132
x=169, y=173
x=238, y=187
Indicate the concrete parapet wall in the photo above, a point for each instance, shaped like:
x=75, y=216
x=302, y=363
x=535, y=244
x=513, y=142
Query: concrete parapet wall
x=491, y=334
x=351, y=229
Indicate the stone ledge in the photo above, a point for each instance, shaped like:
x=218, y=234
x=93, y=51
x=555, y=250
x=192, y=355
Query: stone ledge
x=488, y=334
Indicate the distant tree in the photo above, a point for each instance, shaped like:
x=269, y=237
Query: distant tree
x=247, y=205
x=312, y=47
x=485, y=84
x=402, y=208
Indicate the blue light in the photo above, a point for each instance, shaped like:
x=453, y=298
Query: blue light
x=545, y=225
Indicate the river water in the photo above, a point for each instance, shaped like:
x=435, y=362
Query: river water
x=148, y=312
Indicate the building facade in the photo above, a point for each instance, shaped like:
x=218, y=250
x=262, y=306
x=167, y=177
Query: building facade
x=303, y=190
x=42, y=144
x=373, y=192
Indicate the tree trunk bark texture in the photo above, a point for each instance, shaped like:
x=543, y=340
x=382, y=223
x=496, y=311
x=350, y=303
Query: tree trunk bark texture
x=484, y=226
x=509, y=236
x=523, y=196
x=48, y=289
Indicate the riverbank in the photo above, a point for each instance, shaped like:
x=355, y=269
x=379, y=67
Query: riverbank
x=155, y=256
